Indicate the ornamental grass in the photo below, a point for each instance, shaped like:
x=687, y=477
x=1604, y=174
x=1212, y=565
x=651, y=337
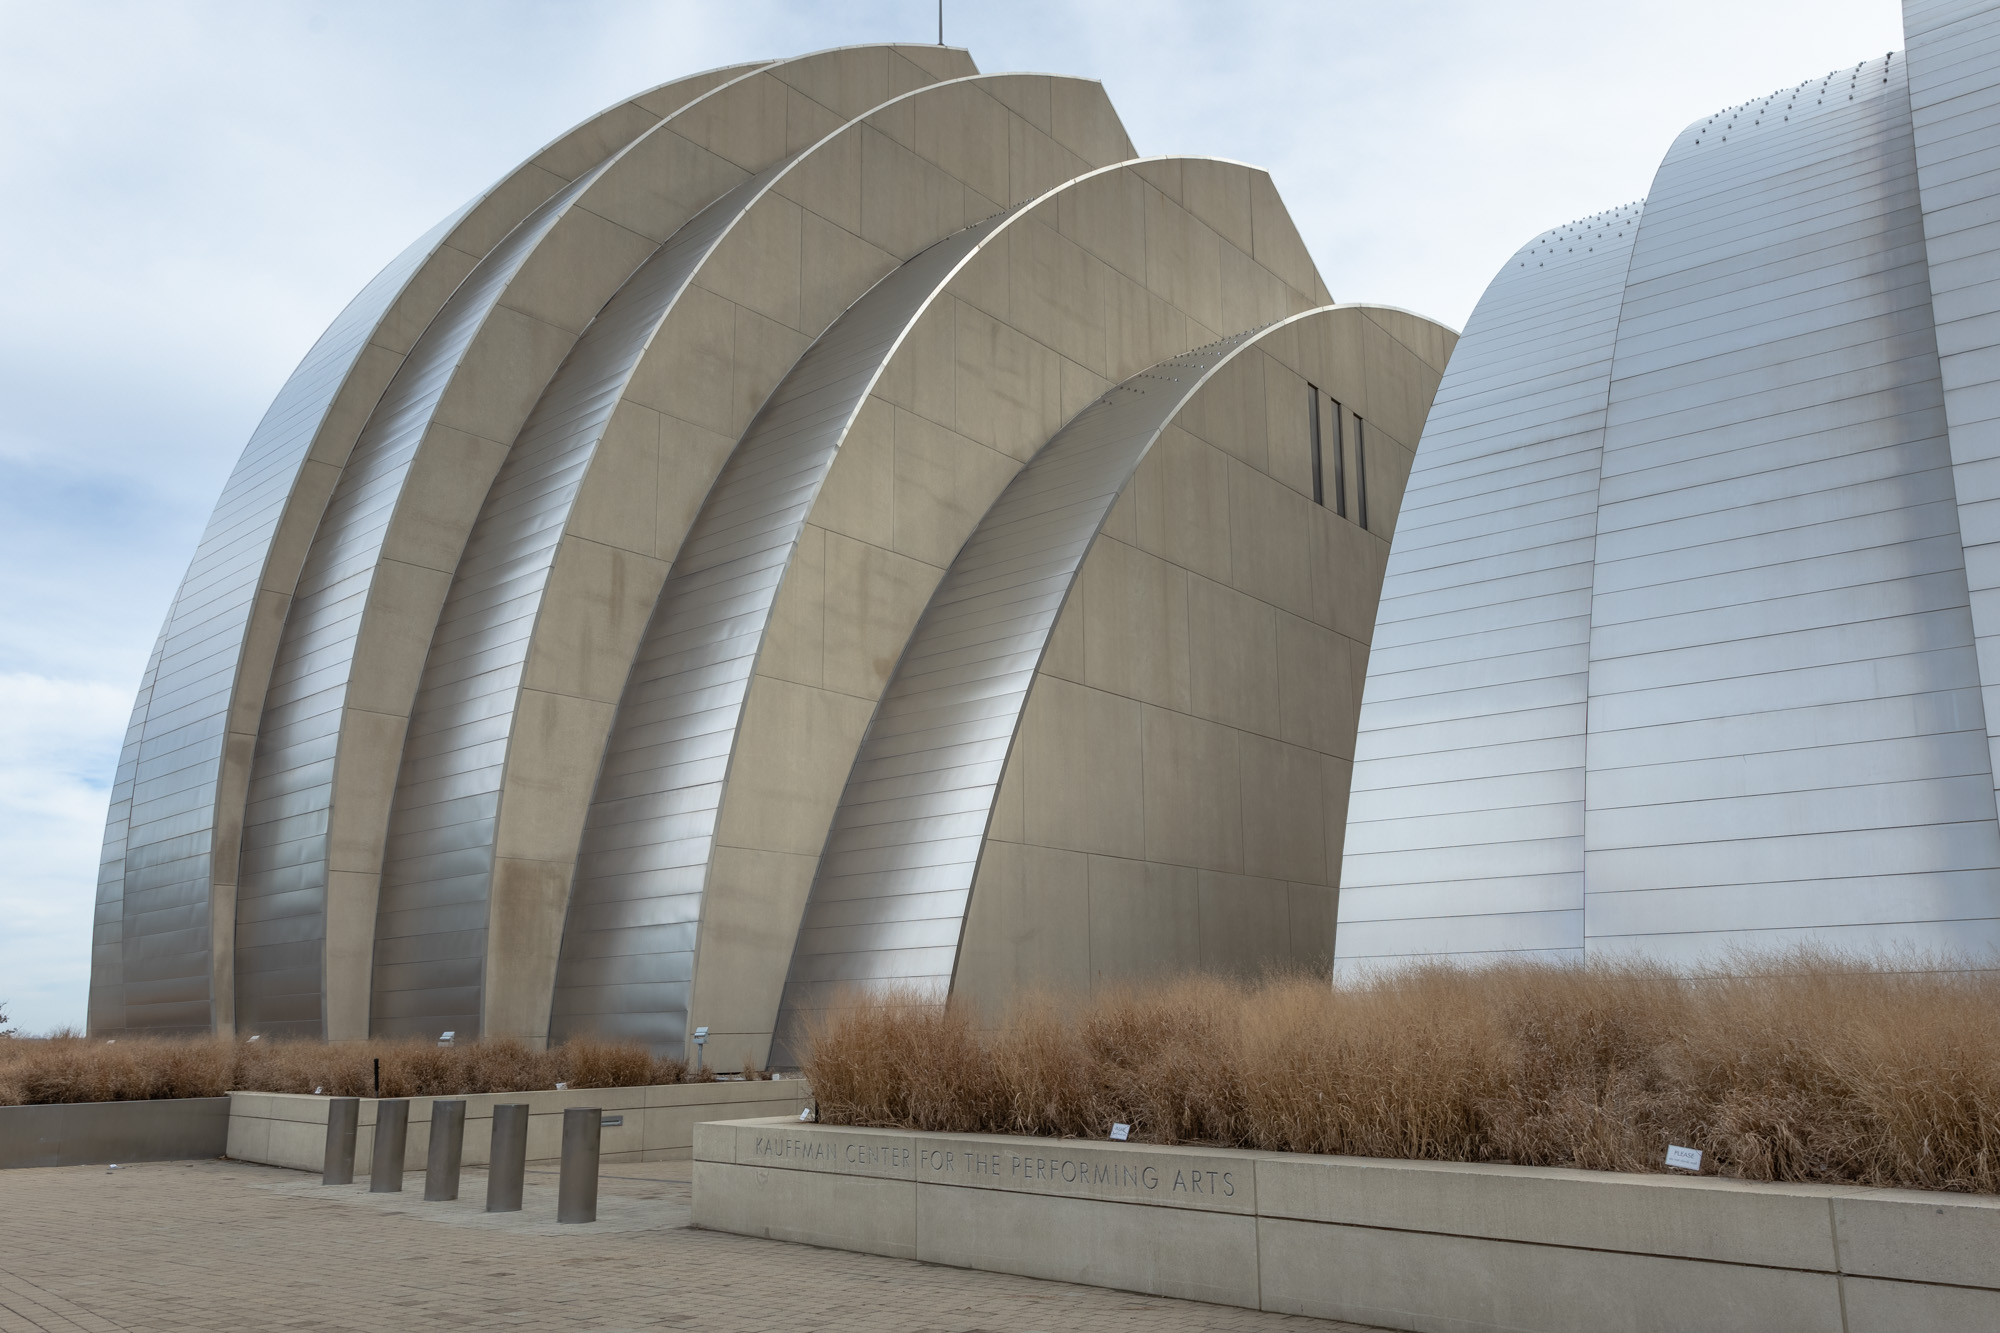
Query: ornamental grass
x=1807, y=1067
x=69, y=1068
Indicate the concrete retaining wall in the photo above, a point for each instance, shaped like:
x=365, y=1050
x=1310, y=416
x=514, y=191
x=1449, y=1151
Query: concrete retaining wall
x=1407, y=1245
x=83, y=1133
x=285, y=1129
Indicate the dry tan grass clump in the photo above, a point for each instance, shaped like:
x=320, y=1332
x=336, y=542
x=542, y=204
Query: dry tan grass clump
x=1806, y=1067
x=68, y=1068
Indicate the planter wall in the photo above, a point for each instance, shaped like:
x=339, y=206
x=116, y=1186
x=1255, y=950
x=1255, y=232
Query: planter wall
x=83, y=1133
x=285, y=1129
x=1397, y=1244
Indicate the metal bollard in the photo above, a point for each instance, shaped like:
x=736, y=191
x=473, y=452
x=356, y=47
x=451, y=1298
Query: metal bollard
x=508, y=1162
x=343, y=1116
x=447, y=1147
x=392, y=1139
x=583, y=1133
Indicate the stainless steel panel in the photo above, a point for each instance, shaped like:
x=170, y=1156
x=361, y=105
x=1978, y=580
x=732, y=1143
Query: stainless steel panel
x=1481, y=645
x=1784, y=724
x=465, y=702
x=1954, y=97
x=199, y=669
x=911, y=855
x=164, y=929
x=700, y=648
x=1818, y=213
x=303, y=705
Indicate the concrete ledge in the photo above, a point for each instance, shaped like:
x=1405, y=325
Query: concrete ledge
x=1434, y=1246
x=85, y=1133
x=288, y=1129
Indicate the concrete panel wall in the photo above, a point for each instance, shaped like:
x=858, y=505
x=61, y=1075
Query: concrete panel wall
x=1416, y=1245
x=1175, y=797
x=1020, y=338
x=287, y=1129
x=82, y=1133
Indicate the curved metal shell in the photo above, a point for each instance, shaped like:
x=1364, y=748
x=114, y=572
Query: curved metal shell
x=431, y=927
x=888, y=902
x=448, y=876
x=313, y=827
x=211, y=669
x=169, y=852
x=1473, y=716
x=1954, y=126
x=1785, y=739
x=281, y=899
x=1785, y=734
x=628, y=948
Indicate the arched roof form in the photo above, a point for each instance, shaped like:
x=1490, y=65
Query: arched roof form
x=888, y=904
x=194, y=717
x=456, y=889
x=1680, y=651
x=505, y=325
x=544, y=729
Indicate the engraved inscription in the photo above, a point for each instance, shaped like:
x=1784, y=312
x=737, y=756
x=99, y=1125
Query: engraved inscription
x=1097, y=1174
x=817, y=1151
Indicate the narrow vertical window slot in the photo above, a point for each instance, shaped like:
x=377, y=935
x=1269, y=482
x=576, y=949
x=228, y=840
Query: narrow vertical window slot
x=1360, y=473
x=1339, y=462
x=1312, y=438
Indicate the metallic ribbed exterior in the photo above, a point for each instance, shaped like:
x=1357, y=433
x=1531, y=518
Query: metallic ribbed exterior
x=1954, y=46
x=1785, y=739
x=888, y=904
x=281, y=898
x=175, y=750
x=1785, y=732
x=628, y=948
x=431, y=923
x=1465, y=826
x=381, y=778
x=107, y=948
x=166, y=926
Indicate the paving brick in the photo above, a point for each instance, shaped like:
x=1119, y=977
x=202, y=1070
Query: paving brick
x=225, y=1245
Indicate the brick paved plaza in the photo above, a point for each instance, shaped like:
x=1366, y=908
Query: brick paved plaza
x=226, y=1245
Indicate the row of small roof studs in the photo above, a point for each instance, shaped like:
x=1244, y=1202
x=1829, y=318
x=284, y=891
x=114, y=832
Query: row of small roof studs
x=1791, y=97
x=1585, y=232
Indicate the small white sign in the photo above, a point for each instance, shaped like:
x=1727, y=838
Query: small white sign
x=1688, y=1159
x=806, y=1115
x=1121, y=1132
x=562, y=1087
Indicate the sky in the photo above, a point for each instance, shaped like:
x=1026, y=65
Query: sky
x=193, y=190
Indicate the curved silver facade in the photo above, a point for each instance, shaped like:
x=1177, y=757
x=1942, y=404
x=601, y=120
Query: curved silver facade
x=173, y=801
x=281, y=900
x=431, y=924
x=889, y=902
x=1739, y=705
x=1465, y=826
x=629, y=944
x=477, y=711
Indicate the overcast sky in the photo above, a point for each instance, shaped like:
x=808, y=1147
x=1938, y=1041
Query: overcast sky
x=193, y=191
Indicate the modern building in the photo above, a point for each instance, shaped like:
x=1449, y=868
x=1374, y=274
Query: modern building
x=832, y=522
x=1690, y=638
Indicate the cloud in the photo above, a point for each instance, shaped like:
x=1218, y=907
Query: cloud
x=58, y=745
x=195, y=189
